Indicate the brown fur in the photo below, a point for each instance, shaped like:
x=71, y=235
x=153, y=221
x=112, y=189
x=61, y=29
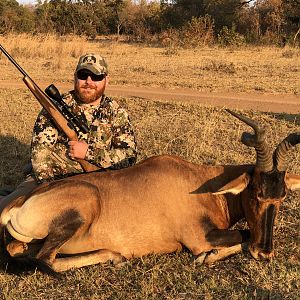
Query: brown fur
x=156, y=206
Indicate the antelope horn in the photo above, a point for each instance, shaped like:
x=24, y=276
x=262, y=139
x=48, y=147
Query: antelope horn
x=280, y=154
x=263, y=154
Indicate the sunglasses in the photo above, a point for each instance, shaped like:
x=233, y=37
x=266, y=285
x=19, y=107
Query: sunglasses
x=83, y=75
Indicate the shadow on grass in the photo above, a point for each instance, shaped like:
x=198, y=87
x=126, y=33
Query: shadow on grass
x=14, y=156
x=13, y=267
x=20, y=265
x=292, y=118
x=258, y=293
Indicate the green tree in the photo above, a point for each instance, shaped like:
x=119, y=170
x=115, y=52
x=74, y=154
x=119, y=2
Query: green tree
x=224, y=12
x=291, y=11
x=43, y=13
x=26, y=19
x=67, y=16
x=15, y=17
x=141, y=20
x=115, y=15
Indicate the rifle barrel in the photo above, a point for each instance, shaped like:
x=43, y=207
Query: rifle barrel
x=13, y=61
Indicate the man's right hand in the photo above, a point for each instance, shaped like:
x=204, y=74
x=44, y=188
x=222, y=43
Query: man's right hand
x=77, y=149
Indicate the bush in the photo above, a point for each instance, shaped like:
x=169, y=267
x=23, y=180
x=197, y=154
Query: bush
x=198, y=32
x=229, y=37
x=170, y=38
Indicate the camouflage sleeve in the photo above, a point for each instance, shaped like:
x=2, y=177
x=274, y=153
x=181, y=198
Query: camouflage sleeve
x=43, y=140
x=119, y=151
x=44, y=131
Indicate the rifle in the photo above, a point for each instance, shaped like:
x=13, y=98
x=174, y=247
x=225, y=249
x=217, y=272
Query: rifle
x=60, y=113
x=74, y=121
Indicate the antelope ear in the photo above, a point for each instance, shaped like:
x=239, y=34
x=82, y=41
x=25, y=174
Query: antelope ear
x=235, y=186
x=292, y=181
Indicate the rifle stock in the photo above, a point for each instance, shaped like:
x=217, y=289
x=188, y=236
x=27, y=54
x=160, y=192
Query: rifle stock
x=58, y=118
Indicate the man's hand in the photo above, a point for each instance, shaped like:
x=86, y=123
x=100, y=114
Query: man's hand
x=77, y=149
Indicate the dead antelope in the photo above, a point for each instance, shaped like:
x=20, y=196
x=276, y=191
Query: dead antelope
x=157, y=206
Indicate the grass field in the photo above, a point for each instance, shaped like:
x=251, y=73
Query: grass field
x=253, y=69
x=197, y=133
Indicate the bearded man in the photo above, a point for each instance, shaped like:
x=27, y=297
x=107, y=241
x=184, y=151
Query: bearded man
x=109, y=144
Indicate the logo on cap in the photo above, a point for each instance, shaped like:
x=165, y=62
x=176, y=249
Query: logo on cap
x=92, y=62
x=89, y=59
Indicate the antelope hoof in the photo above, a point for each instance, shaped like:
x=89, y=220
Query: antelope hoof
x=122, y=263
x=201, y=258
x=119, y=261
x=212, y=256
x=17, y=248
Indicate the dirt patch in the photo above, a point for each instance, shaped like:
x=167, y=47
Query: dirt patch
x=254, y=101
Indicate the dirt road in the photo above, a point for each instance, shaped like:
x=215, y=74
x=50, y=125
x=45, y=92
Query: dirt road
x=255, y=101
x=260, y=102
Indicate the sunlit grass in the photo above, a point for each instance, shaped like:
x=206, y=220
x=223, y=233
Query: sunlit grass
x=253, y=69
x=197, y=133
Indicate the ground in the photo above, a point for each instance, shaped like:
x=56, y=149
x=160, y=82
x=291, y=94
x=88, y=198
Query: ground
x=255, y=101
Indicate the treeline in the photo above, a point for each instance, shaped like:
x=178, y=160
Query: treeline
x=186, y=23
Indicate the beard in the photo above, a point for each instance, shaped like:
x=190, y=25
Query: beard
x=88, y=94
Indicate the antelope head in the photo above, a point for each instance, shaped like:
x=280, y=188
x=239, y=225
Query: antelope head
x=266, y=188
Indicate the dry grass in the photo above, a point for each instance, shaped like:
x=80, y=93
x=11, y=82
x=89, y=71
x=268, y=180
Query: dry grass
x=199, y=134
x=265, y=70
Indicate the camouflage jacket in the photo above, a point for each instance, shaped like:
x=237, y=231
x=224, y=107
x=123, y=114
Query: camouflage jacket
x=111, y=141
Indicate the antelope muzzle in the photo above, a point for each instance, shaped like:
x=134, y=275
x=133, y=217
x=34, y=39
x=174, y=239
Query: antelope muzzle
x=262, y=248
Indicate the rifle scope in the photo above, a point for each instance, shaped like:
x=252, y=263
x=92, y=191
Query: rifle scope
x=54, y=94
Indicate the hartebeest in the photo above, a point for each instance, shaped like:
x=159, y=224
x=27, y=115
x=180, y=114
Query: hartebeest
x=156, y=206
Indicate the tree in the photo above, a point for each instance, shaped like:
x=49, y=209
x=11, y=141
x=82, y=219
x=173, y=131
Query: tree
x=43, y=13
x=116, y=17
x=14, y=17
x=291, y=11
x=224, y=12
x=67, y=16
x=141, y=19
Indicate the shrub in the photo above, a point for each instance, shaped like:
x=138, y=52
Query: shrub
x=290, y=53
x=170, y=40
x=197, y=32
x=229, y=37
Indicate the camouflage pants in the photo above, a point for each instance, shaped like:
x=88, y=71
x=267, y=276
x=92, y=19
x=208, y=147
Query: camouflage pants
x=22, y=189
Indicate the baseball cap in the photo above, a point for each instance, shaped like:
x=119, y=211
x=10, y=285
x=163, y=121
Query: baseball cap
x=92, y=62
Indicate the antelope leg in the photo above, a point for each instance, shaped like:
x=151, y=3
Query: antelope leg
x=222, y=253
x=78, y=261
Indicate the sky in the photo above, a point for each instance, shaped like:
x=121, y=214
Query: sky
x=26, y=1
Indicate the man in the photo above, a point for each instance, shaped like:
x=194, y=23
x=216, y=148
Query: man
x=109, y=144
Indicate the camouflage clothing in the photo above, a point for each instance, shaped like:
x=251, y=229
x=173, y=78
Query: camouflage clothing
x=111, y=142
